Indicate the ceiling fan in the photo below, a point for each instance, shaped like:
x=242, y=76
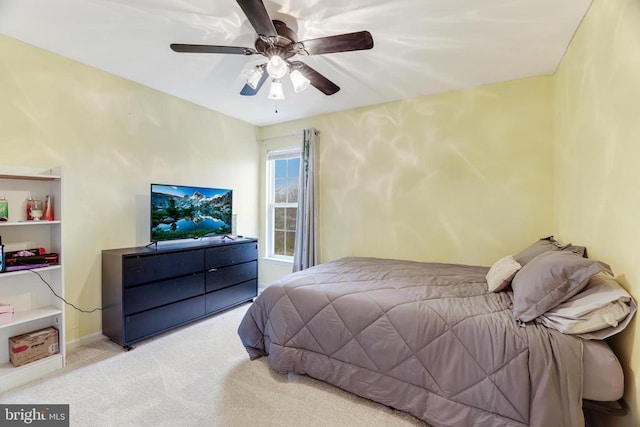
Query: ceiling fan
x=279, y=43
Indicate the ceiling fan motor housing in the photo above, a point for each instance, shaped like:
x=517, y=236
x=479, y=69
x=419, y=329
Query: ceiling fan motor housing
x=281, y=45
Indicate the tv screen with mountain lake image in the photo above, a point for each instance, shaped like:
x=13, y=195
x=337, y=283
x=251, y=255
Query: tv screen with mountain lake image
x=182, y=212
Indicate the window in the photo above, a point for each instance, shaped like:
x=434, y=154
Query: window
x=283, y=169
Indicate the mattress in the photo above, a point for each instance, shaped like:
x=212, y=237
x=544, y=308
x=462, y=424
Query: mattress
x=603, y=378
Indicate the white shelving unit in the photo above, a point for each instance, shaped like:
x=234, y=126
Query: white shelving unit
x=35, y=304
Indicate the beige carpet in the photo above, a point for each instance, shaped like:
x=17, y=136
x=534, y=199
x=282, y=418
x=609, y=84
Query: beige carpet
x=199, y=375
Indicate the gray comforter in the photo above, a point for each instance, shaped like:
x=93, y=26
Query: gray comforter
x=425, y=338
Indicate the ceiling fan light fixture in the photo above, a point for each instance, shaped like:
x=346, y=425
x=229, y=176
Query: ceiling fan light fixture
x=279, y=43
x=276, y=67
x=254, y=76
x=275, y=91
x=299, y=81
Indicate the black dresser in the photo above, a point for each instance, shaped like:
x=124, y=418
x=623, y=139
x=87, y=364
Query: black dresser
x=146, y=291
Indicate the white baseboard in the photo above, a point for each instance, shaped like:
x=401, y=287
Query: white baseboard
x=262, y=286
x=86, y=340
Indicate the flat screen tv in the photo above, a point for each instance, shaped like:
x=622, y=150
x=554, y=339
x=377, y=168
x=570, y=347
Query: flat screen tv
x=183, y=212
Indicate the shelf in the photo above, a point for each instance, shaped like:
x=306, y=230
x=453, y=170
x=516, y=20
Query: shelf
x=19, y=272
x=27, y=223
x=35, y=303
x=10, y=376
x=30, y=177
x=28, y=316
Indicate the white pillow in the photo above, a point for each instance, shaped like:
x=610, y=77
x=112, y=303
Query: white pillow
x=501, y=273
x=603, y=308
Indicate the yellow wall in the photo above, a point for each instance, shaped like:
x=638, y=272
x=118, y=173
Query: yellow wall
x=456, y=177
x=597, y=155
x=112, y=138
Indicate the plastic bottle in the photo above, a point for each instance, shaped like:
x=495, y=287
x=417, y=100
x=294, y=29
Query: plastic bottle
x=4, y=209
x=48, y=208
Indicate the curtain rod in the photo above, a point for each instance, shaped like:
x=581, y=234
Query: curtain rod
x=285, y=136
x=280, y=137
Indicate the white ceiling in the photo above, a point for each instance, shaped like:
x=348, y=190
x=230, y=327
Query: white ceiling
x=421, y=47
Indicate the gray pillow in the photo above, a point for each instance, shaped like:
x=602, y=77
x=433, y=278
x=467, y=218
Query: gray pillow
x=578, y=250
x=548, y=280
x=547, y=244
x=603, y=308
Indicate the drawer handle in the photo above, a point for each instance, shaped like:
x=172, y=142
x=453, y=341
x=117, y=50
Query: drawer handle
x=211, y=270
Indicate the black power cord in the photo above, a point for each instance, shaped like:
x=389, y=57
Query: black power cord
x=60, y=298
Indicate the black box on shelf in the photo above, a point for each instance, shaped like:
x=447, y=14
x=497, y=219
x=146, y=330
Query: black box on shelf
x=29, y=258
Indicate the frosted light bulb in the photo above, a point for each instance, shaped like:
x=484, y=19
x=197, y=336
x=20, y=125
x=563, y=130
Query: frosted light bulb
x=276, y=67
x=276, y=92
x=254, y=77
x=299, y=81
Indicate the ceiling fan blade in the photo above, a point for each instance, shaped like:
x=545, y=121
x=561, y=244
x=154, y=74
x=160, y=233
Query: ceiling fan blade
x=258, y=17
x=360, y=40
x=316, y=79
x=205, y=48
x=249, y=91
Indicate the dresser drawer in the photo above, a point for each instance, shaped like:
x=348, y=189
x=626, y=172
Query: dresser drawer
x=144, y=297
x=154, y=321
x=150, y=268
x=232, y=295
x=218, y=278
x=232, y=254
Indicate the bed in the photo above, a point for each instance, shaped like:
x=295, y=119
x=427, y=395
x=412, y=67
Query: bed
x=426, y=338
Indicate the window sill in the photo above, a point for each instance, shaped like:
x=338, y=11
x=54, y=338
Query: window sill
x=278, y=260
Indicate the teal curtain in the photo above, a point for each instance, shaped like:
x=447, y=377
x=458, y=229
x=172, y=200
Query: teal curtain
x=305, y=253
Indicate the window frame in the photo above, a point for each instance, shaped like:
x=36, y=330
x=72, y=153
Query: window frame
x=284, y=153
